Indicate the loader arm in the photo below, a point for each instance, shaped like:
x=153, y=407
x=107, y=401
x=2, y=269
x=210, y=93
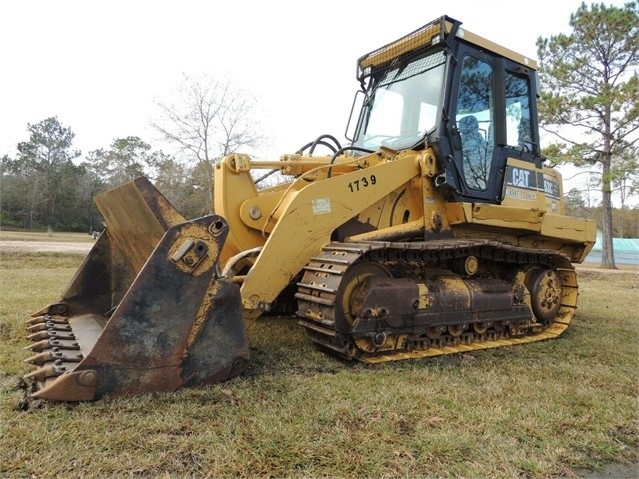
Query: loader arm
x=306, y=219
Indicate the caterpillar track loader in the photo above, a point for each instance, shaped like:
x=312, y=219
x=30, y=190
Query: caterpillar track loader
x=438, y=229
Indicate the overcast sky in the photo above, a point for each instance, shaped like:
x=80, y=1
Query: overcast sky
x=99, y=66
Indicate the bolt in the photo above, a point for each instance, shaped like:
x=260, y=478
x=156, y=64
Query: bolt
x=88, y=378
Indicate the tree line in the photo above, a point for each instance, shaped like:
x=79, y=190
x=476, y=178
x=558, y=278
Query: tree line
x=46, y=186
x=43, y=188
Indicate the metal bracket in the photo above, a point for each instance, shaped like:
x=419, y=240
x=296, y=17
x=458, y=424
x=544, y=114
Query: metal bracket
x=191, y=253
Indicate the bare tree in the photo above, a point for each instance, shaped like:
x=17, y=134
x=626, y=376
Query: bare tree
x=212, y=119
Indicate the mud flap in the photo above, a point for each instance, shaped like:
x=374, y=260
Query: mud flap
x=133, y=322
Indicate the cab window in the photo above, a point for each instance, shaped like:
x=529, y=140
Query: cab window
x=475, y=121
x=518, y=124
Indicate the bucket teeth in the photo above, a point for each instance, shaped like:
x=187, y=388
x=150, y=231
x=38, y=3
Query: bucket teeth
x=49, y=371
x=38, y=320
x=47, y=318
x=50, y=333
x=40, y=346
x=53, y=355
x=171, y=321
x=49, y=325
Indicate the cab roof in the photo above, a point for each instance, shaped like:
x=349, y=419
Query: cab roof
x=438, y=30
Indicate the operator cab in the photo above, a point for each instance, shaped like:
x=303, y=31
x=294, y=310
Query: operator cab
x=471, y=100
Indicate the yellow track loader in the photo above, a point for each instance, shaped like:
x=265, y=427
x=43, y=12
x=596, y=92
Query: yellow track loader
x=438, y=229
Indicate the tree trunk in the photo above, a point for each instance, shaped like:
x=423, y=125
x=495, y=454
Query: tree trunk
x=607, y=252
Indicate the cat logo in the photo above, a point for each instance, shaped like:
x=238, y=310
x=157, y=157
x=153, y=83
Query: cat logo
x=520, y=178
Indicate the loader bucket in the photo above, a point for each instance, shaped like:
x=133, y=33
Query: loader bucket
x=147, y=310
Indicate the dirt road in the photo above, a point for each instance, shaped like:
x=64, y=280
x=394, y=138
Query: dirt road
x=7, y=246
x=84, y=247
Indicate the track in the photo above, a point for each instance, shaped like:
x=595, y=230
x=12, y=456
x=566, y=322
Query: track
x=339, y=317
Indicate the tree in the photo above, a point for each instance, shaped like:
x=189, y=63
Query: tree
x=44, y=165
x=126, y=159
x=176, y=181
x=624, y=177
x=4, y=163
x=213, y=120
x=591, y=97
x=574, y=204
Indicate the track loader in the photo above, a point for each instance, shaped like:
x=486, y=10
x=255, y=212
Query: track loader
x=438, y=229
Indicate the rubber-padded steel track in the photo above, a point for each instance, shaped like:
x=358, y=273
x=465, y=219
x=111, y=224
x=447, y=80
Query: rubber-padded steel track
x=322, y=280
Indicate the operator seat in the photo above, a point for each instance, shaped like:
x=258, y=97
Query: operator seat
x=475, y=153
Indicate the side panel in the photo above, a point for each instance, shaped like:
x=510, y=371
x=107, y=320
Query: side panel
x=526, y=186
x=525, y=227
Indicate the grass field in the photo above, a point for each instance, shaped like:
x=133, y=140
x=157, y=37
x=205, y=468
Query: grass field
x=539, y=410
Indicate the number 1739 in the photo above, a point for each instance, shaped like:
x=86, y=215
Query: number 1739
x=364, y=182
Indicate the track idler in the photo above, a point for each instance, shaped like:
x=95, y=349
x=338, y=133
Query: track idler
x=147, y=310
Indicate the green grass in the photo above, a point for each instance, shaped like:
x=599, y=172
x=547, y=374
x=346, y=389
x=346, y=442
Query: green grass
x=529, y=411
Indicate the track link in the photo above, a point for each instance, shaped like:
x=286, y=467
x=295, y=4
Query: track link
x=323, y=282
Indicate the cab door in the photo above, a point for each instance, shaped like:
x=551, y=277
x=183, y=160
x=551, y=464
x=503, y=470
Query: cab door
x=473, y=120
x=493, y=118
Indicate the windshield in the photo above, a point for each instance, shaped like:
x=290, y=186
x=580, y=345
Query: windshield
x=402, y=103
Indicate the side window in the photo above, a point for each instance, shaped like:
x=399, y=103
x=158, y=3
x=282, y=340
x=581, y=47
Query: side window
x=475, y=121
x=518, y=126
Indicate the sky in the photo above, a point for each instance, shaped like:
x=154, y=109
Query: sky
x=101, y=67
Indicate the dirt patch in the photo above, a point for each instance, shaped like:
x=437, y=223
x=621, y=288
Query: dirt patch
x=606, y=271
x=613, y=470
x=44, y=246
